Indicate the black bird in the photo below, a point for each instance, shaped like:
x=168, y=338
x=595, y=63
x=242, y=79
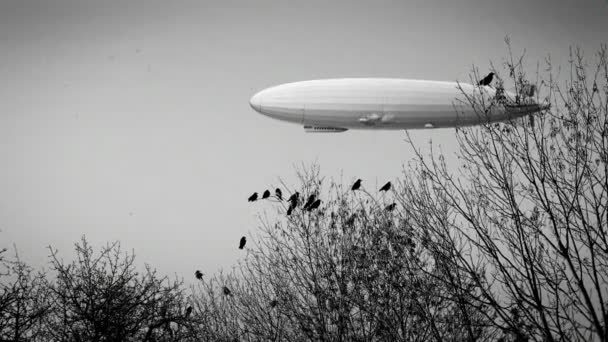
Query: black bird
x=198, y=274
x=266, y=194
x=253, y=197
x=243, y=242
x=314, y=205
x=273, y=303
x=289, y=210
x=294, y=197
x=390, y=207
x=386, y=187
x=227, y=291
x=279, y=194
x=188, y=311
x=486, y=80
x=311, y=199
x=357, y=185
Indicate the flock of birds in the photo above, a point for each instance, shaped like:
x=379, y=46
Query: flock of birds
x=311, y=204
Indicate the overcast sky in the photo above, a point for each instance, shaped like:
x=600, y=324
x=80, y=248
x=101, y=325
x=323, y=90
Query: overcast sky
x=129, y=120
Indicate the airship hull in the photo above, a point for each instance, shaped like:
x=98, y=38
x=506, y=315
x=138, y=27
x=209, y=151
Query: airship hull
x=335, y=105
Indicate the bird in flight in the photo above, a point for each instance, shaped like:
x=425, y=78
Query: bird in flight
x=253, y=197
x=279, y=194
x=243, y=242
x=198, y=274
x=386, y=187
x=266, y=194
x=227, y=291
x=486, y=80
x=391, y=206
x=357, y=185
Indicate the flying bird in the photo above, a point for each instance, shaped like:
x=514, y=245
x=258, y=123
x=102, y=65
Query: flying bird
x=266, y=194
x=188, y=311
x=243, y=242
x=311, y=199
x=227, y=291
x=386, y=187
x=357, y=185
x=253, y=197
x=198, y=274
x=314, y=205
x=279, y=194
x=390, y=207
x=486, y=80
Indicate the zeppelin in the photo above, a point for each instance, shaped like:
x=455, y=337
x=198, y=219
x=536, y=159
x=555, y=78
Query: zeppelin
x=336, y=105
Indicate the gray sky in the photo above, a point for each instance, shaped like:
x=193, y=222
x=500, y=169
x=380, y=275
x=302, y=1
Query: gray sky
x=129, y=120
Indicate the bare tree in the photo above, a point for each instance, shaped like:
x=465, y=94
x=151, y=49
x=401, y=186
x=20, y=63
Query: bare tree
x=24, y=301
x=101, y=297
x=524, y=217
x=348, y=271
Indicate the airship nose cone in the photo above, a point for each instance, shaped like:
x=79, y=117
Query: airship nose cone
x=256, y=102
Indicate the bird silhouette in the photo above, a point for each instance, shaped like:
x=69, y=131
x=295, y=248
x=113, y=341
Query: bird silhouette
x=188, y=311
x=314, y=205
x=386, y=187
x=253, y=197
x=279, y=194
x=266, y=194
x=198, y=274
x=391, y=206
x=289, y=210
x=486, y=80
x=357, y=185
x=243, y=242
x=227, y=291
x=311, y=199
x=293, y=199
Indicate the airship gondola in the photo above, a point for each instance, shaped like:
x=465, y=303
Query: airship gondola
x=336, y=105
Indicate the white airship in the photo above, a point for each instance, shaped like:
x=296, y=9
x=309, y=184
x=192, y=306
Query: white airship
x=336, y=105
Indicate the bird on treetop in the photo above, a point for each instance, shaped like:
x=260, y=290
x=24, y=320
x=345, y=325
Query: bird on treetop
x=243, y=242
x=314, y=205
x=357, y=185
x=486, y=80
x=253, y=197
x=266, y=194
x=279, y=194
x=386, y=187
x=311, y=199
x=198, y=274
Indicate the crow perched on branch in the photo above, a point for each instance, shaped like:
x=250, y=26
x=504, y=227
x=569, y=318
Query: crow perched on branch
x=357, y=185
x=243, y=242
x=253, y=197
x=279, y=194
x=486, y=80
x=227, y=291
x=311, y=199
x=391, y=207
x=386, y=187
x=266, y=194
x=314, y=205
x=198, y=274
